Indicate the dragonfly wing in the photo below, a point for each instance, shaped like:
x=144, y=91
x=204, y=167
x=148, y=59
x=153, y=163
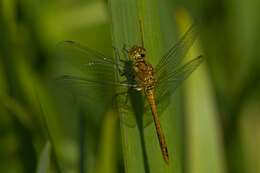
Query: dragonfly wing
x=168, y=75
x=169, y=83
x=173, y=57
x=89, y=91
x=76, y=59
x=101, y=93
x=87, y=75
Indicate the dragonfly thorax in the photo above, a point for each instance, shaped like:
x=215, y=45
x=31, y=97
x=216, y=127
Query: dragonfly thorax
x=144, y=75
x=144, y=72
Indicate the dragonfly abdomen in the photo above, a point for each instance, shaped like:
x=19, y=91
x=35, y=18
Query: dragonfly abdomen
x=159, y=131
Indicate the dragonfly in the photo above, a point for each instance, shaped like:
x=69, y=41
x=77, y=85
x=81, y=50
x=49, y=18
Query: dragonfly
x=92, y=71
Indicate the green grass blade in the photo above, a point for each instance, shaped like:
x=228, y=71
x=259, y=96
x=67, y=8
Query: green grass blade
x=141, y=149
x=125, y=31
x=205, y=150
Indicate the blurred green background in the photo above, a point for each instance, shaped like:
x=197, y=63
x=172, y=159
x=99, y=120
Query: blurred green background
x=43, y=130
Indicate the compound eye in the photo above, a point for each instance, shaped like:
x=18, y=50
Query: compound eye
x=142, y=55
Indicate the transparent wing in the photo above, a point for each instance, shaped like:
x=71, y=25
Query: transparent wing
x=170, y=75
x=172, y=59
x=169, y=83
x=76, y=59
x=100, y=95
x=91, y=83
x=86, y=74
x=89, y=77
x=96, y=94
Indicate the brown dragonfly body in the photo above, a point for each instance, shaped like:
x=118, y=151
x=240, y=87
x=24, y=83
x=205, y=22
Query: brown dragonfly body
x=144, y=74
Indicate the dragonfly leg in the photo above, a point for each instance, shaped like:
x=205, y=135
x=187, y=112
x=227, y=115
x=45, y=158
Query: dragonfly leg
x=116, y=52
x=121, y=72
x=118, y=55
x=125, y=51
x=118, y=58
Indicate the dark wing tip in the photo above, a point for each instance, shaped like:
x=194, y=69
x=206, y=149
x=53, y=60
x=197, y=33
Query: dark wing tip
x=66, y=78
x=62, y=77
x=68, y=42
x=194, y=63
x=65, y=42
x=200, y=58
x=62, y=43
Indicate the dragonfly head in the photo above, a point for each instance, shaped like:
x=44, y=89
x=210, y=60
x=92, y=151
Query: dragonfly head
x=137, y=53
